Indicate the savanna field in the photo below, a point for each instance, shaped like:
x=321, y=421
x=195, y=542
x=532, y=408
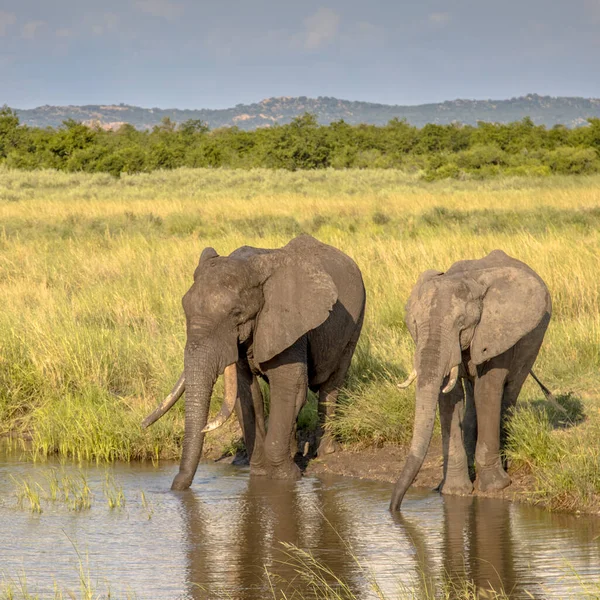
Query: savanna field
x=93, y=268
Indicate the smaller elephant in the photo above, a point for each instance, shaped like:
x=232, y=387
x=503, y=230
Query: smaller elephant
x=291, y=316
x=483, y=322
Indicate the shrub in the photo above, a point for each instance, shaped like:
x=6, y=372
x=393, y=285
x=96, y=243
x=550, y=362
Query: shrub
x=573, y=161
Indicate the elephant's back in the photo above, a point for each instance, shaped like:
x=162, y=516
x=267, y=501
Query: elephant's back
x=341, y=268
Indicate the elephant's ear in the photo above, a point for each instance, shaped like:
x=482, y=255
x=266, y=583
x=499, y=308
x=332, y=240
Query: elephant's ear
x=413, y=300
x=514, y=303
x=298, y=296
x=207, y=254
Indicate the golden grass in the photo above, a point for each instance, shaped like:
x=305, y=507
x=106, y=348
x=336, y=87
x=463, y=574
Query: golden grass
x=92, y=271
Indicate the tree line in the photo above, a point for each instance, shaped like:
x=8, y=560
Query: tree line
x=435, y=151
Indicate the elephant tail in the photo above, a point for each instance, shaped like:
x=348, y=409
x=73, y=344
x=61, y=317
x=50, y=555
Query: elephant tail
x=548, y=394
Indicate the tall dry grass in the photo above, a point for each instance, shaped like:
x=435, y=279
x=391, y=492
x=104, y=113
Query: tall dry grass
x=92, y=271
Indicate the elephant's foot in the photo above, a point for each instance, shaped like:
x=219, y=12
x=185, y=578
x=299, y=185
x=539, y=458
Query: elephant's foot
x=182, y=482
x=327, y=445
x=258, y=464
x=288, y=470
x=492, y=479
x=457, y=484
x=258, y=461
x=259, y=470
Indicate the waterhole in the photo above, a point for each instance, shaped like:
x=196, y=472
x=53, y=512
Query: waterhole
x=233, y=536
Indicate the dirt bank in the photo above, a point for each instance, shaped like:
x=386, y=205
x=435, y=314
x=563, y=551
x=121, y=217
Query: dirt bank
x=385, y=464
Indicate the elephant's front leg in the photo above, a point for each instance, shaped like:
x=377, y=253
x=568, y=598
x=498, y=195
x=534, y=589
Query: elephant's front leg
x=250, y=413
x=489, y=389
x=288, y=384
x=456, y=473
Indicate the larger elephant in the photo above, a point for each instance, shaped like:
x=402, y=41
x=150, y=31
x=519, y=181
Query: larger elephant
x=292, y=316
x=482, y=321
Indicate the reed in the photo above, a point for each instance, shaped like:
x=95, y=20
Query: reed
x=113, y=492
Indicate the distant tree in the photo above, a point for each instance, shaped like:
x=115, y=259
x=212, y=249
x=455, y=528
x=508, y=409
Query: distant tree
x=193, y=126
x=9, y=134
x=591, y=133
x=166, y=126
x=72, y=136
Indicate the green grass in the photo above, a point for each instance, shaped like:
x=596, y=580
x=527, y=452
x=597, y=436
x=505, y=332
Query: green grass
x=561, y=451
x=113, y=492
x=56, y=487
x=92, y=271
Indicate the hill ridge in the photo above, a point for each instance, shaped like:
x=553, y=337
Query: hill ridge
x=571, y=111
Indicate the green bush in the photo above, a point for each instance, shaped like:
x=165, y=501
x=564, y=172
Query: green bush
x=480, y=156
x=573, y=161
x=439, y=151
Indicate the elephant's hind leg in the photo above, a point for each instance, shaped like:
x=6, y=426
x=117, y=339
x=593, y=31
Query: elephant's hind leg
x=456, y=472
x=469, y=425
x=327, y=401
x=328, y=394
x=525, y=354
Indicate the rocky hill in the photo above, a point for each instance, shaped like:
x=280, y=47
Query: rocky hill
x=547, y=110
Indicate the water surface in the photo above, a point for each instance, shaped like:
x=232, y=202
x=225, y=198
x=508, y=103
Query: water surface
x=221, y=538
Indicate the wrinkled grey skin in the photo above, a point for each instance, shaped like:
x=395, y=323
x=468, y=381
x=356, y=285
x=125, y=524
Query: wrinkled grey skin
x=291, y=316
x=488, y=316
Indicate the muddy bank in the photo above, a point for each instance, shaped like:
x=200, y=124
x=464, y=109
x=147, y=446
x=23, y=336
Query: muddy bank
x=385, y=464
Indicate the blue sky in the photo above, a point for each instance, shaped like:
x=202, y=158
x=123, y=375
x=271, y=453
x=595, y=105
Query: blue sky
x=186, y=54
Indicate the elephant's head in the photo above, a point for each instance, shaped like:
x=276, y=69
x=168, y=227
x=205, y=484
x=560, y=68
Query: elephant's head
x=256, y=300
x=482, y=307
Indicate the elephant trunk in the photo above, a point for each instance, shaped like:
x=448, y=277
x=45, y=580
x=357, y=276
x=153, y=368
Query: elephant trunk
x=201, y=371
x=434, y=357
x=423, y=429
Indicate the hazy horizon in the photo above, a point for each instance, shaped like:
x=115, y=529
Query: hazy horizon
x=185, y=54
x=183, y=108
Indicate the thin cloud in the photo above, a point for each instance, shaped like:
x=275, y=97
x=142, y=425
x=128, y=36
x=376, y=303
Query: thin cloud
x=63, y=32
x=321, y=28
x=106, y=23
x=30, y=29
x=6, y=20
x=439, y=18
x=160, y=8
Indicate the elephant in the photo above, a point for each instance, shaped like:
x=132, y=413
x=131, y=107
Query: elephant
x=483, y=322
x=291, y=316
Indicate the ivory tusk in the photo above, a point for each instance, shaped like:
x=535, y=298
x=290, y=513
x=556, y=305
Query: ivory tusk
x=167, y=403
x=229, y=398
x=451, y=380
x=408, y=380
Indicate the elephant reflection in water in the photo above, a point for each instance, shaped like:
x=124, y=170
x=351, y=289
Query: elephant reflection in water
x=485, y=526
x=477, y=546
x=250, y=536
